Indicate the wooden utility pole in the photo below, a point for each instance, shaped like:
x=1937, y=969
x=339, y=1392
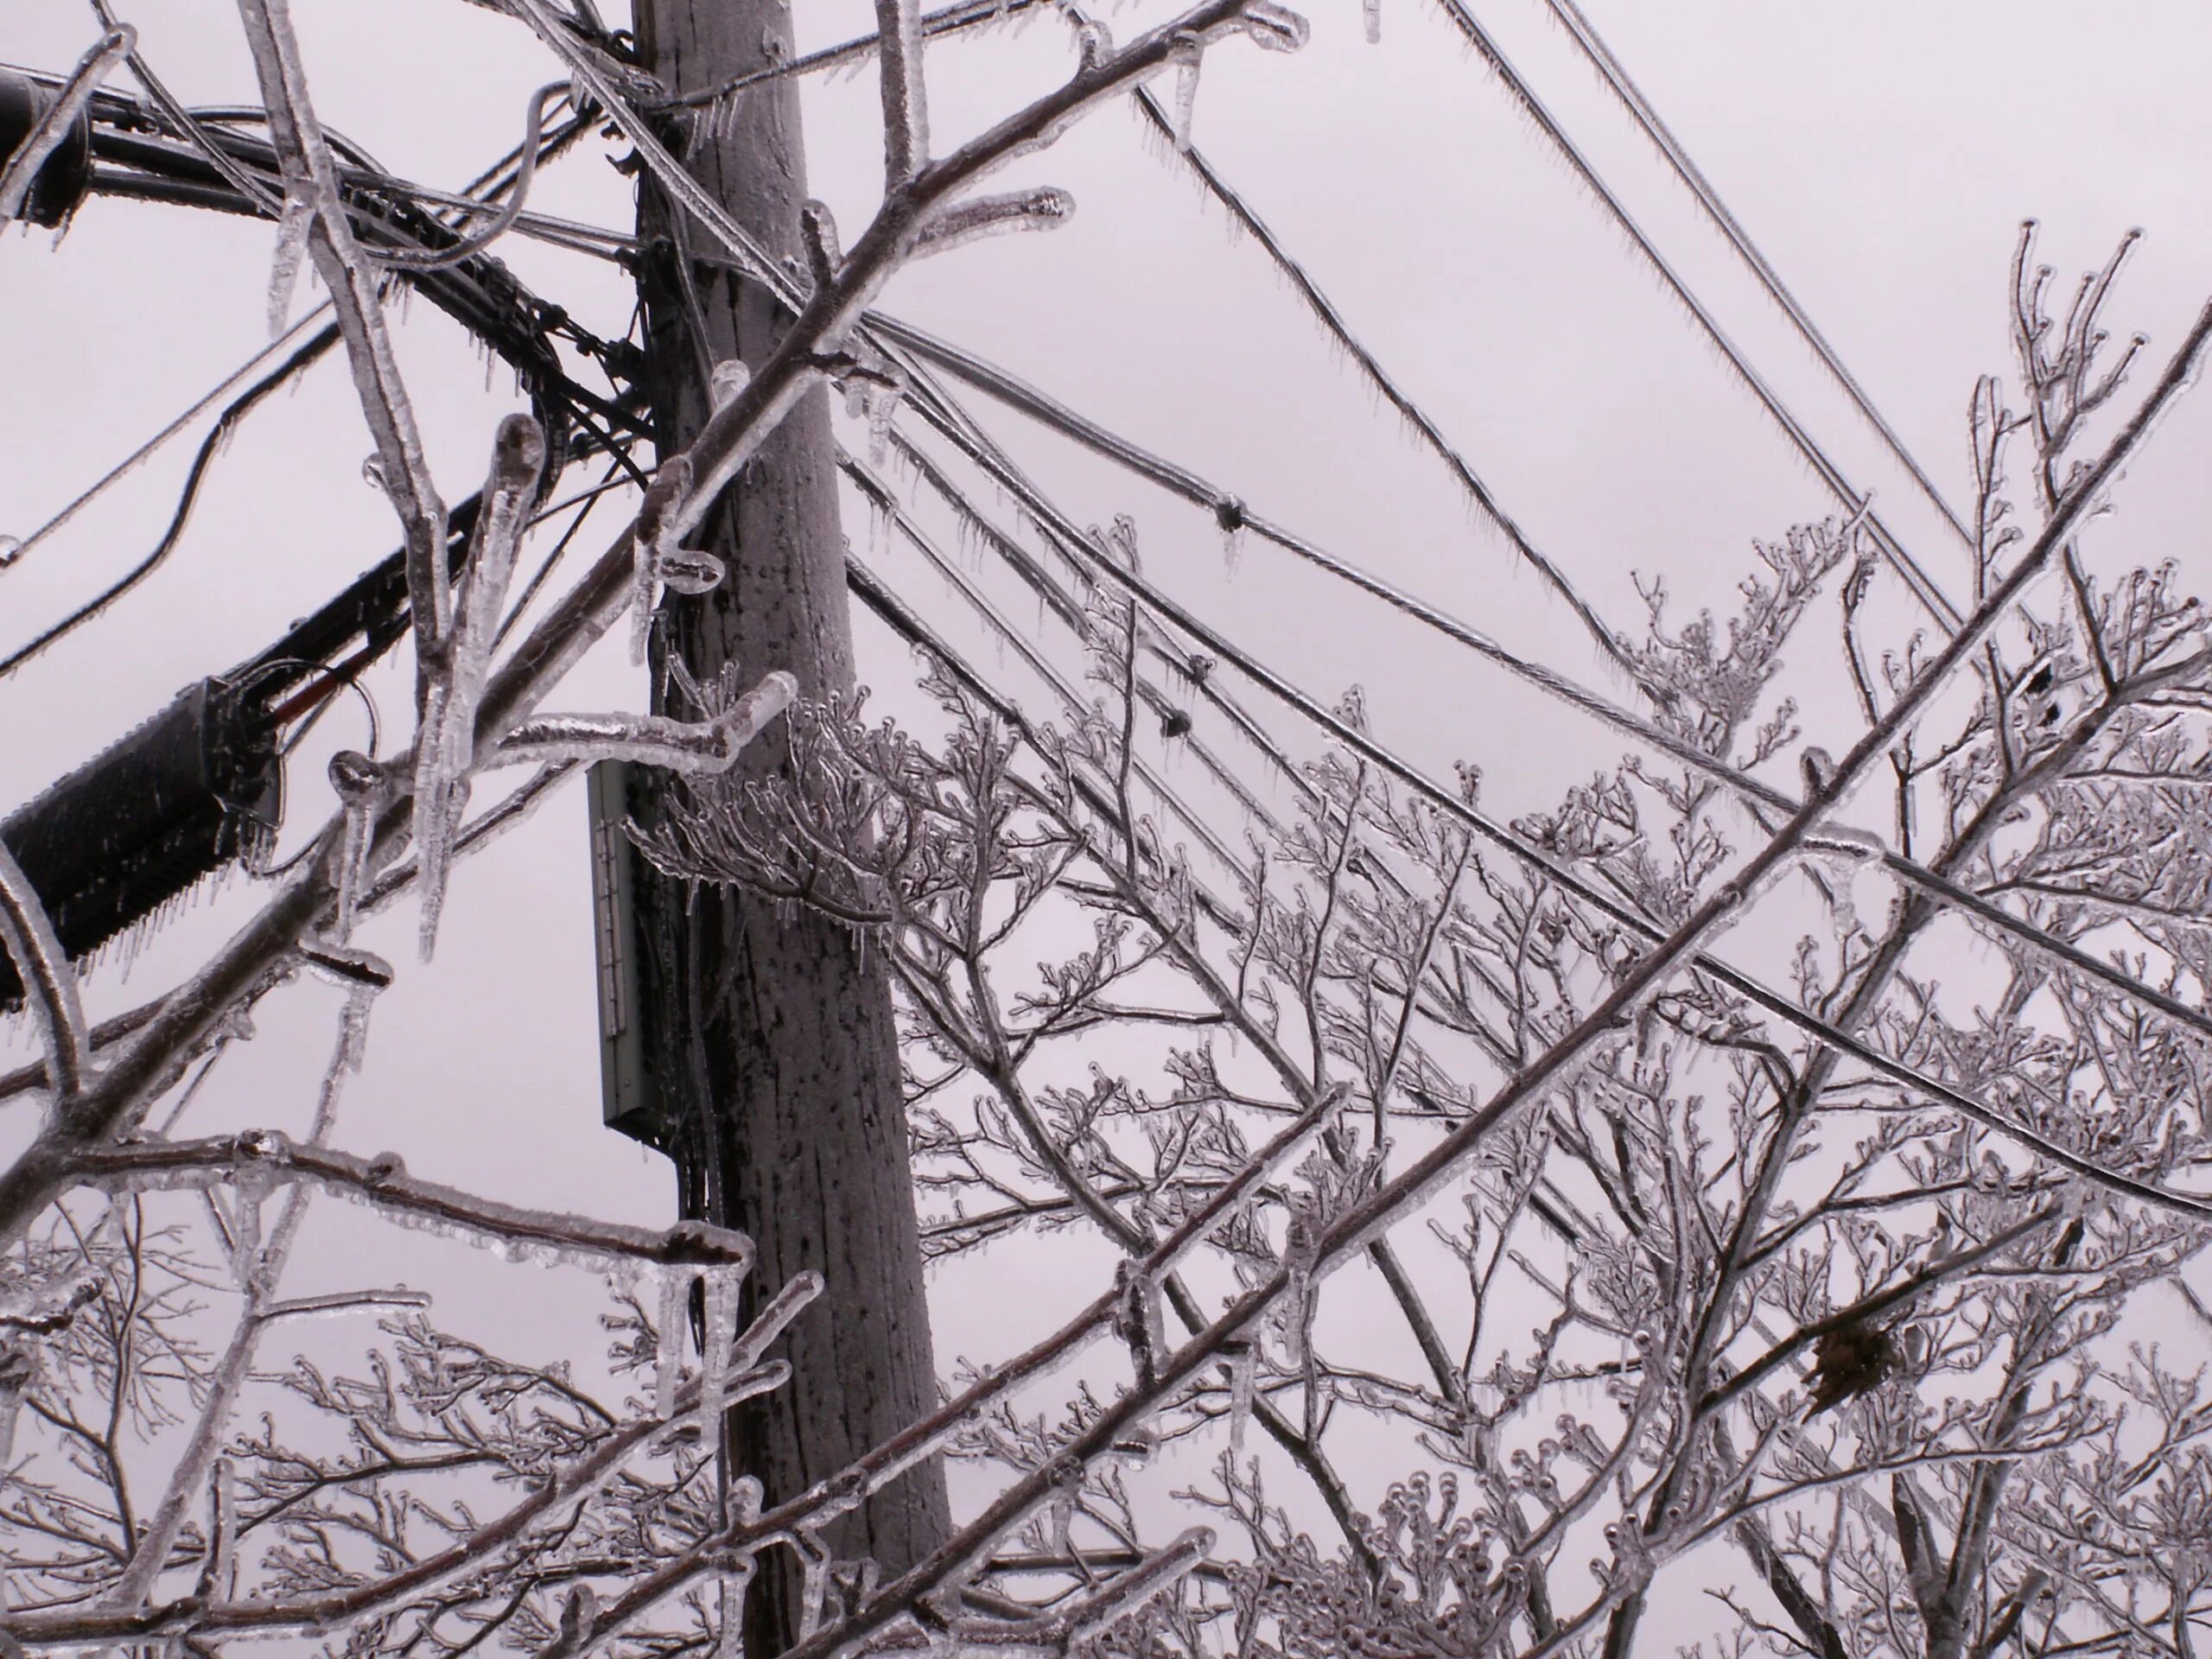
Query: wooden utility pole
x=769, y=1040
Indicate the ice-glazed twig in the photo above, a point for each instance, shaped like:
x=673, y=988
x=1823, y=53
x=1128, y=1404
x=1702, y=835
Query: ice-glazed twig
x=1046, y=208
x=259, y=1276
x=700, y=745
x=383, y=1181
x=50, y=983
x=445, y=751
x=906, y=104
x=310, y=172
x=43, y=139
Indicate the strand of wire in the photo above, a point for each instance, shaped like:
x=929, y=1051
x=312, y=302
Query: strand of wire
x=210, y=448
x=1749, y=789
x=1623, y=87
x=1917, y=580
x=130, y=462
x=951, y=20
x=1325, y=312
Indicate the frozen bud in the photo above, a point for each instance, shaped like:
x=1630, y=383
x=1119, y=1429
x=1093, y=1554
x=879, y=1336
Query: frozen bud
x=263, y=1146
x=356, y=778
x=664, y=498
x=818, y=230
x=687, y=570
x=729, y=377
x=1276, y=28
x=518, y=453
x=384, y=1169
x=579, y=1612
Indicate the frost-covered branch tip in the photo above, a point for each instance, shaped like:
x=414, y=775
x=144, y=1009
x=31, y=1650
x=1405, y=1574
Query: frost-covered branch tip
x=382, y=1182
x=43, y=139
x=1045, y=208
x=906, y=106
x=702, y=745
x=49, y=982
x=454, y=677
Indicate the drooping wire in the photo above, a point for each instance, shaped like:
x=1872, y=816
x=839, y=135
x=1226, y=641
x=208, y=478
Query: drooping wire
x=129, y=462
x=1618, y=81
x=212, y=445
x=1917, y=580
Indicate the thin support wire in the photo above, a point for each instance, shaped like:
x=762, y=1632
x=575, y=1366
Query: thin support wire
x=1618, y=80
x=1923, y=586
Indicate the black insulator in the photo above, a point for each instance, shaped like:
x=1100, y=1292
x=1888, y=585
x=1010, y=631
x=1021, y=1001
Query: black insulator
x=65, y=175
x=196, y=788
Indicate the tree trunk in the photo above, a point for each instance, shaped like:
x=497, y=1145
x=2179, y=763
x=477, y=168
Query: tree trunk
x=771, y=1041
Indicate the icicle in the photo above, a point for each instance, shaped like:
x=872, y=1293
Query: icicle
x=1064, y=1523
x=223, y=1529
x=675, y=1284
x=814, y=1583
x=1242, y=1365
x=656, y=514
x=357, y=782
x=880, y=414
x=1300, y=1244
x=1371, y=16
x=730, y=1583
x=15, y=1377
x=284, y=269
x=715, y=1334
x=1184, y=55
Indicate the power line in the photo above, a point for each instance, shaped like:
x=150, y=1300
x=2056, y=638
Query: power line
x=1923, y=586
x=1616, y=78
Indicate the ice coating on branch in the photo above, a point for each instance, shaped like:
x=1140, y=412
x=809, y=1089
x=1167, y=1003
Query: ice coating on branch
x=1370, y=17
x=668, y=1362
x=1274, y=28
x=785, y=1307
x=454, y=672
x=1184, y=55
x=656, y=530
x=705, y=746
x=1140, y=1321
x=716, y=1332
x=1238, y=1357
x=1094, y=43
x=1045, y=208
x=818, y=230
x=905, y=108
x=291, y=248
x=729, y=377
